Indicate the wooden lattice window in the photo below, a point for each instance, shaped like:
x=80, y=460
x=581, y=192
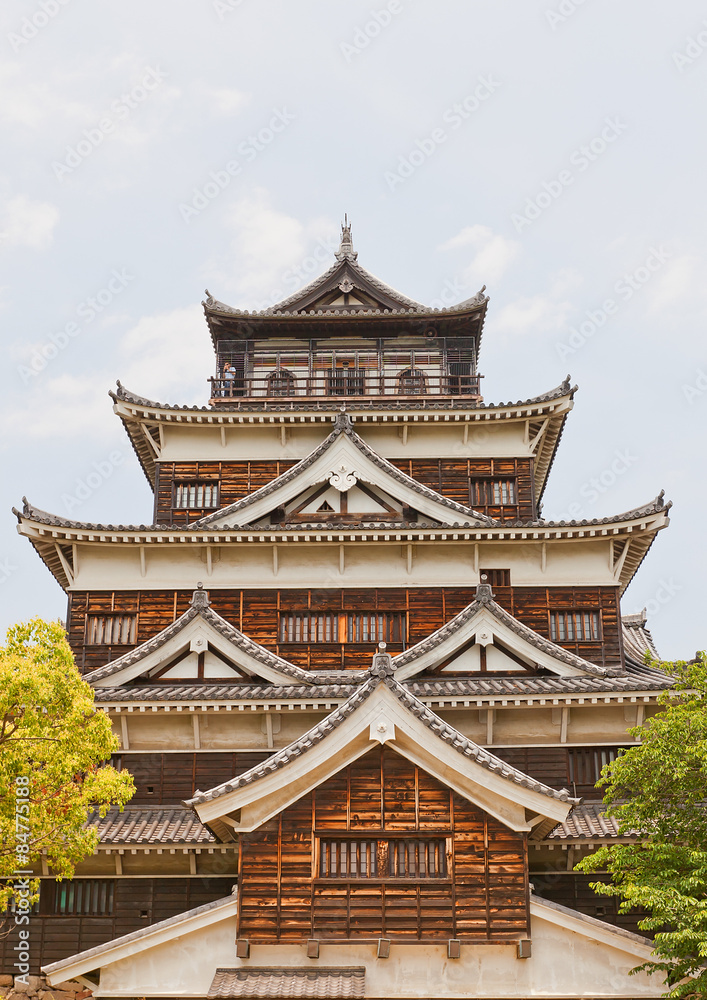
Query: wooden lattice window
x=575, y=626
x=84, y=897
x=343, y=626
x=493, y=492
x=585, y=763
x=111, y=630
x=197, y=495
x=395, y=858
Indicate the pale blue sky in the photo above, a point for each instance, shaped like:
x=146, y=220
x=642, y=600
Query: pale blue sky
x=552, y=151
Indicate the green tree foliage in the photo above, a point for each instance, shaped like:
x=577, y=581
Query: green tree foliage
x=52, y=745
x=657, y=791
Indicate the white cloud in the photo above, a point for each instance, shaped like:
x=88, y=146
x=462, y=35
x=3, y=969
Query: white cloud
x=676, y=281
x=162, y=353
x=492, y=253
x=271, y=254
x=27, y=223
x=225, y=101
x=541, y=313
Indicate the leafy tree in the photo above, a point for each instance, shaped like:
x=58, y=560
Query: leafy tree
x=52, y=745
x=657, y=791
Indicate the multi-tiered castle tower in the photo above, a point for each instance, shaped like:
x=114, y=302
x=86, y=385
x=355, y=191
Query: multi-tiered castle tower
x=364, y=688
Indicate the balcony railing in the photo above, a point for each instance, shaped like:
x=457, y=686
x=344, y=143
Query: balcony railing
x=339, y=382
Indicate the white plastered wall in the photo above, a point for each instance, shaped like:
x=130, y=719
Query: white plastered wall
x=566, y=962
x=116, y=566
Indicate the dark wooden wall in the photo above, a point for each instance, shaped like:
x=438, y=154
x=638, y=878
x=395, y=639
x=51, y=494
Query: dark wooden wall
x=256, y=612
x=572, y=889
x=484, y=897
x=166, y=779
x=453, y=479
x=450, y=477
x=236, y=480
x=53, y=937
x=163, y=779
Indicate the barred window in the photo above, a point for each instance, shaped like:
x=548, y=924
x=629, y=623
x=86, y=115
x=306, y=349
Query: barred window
x=585, y=763
x=111, y=630
x=395, y=858
x=195, y=495
x=496, y=577
x=342, y=627
x=14, y=904
x=493, y=492
x=574, y=626
x=84, y=897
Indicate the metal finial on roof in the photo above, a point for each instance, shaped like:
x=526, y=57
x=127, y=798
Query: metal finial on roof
x=346, y=250
x=200, y=597
x=484, y=593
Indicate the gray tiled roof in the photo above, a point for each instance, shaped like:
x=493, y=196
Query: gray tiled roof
x=637, y=638
x=318, y=982
x=485, y=599
x=354, y=405
x=44, y=517
x=343, y=425
x=586, y=822
x=140, y=825
x=381, y=672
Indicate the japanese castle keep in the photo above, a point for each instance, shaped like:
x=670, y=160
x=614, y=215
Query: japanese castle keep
x=364, y=687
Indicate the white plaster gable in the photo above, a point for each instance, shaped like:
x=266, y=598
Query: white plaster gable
x=381, y=711
x=343, y=460
x=193, y=633
x=485, y=624
x=179, y=958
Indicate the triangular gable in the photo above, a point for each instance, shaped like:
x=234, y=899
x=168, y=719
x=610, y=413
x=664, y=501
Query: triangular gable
x=151, y=962
x=508, y=646
x=343, y=460
x=199, y=645
x=382, y=710
x=346, y=285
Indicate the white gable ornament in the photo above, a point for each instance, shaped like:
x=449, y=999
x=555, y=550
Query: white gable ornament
x=344, y=479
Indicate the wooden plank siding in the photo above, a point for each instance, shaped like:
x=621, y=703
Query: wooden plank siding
x=257, y=613
x=483, y=896
x=235, y=480
x=53, y=937
x=453, y=478
x=166, y=779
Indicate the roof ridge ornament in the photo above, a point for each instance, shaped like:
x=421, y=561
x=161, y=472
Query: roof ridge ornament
x=382, y=665
x=484, y=593
x=200, y=597
x=346, y=250
x=566, y=384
